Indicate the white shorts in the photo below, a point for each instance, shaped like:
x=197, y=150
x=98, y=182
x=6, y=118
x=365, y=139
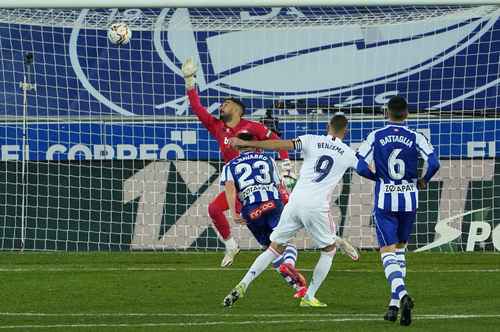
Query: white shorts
x=317, y=223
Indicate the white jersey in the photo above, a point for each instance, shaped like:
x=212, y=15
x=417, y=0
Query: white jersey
x=326, y=159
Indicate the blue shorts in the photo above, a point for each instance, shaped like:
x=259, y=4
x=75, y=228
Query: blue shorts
x=393, y=227
x=262, y=218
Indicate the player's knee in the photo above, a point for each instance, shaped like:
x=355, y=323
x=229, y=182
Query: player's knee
x=390, y=248
x=214, y=210
x=331, y=249
x=401, y=245
x=279, y=248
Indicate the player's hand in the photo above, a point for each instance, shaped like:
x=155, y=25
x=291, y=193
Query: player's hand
x=189, y=69
x=287, y=169
x=286, y=165
x=421, y=184
x=235, y=142
x=238, y=219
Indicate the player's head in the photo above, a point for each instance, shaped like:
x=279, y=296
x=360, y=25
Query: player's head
x=231, y=109
x=397, y=109
x=338, y=125
x=246, y=136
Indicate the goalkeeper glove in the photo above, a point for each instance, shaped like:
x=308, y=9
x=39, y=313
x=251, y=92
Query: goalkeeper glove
x=286, y=166
x=189, y=69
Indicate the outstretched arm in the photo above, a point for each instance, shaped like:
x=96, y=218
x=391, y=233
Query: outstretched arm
x=282, y=153
x=272, y=144
x=201, y=112
x=189, y=69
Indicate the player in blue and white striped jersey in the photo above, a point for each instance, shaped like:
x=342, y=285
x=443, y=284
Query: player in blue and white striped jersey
x=395, y=151
x=253, y=177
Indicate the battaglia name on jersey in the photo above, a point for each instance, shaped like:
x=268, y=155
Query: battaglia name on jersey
x=323, y=145
x=400, y=188
x=396, y=139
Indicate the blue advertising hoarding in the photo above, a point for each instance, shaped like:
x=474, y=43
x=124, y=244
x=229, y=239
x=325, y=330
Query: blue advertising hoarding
x=169, y=140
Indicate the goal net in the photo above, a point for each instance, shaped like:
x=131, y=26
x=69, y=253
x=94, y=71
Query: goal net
x=100, y=150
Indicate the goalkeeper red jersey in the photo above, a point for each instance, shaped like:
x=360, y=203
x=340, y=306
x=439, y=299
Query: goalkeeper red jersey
x=222, y=133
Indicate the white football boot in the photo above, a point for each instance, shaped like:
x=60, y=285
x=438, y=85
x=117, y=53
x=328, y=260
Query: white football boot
x=347, y=248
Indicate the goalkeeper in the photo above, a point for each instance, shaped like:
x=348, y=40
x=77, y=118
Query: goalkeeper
x=229, y=124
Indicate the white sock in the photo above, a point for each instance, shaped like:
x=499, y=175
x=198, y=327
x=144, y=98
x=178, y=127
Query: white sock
x=259, y=265
x=230, y=243
x=320, y=272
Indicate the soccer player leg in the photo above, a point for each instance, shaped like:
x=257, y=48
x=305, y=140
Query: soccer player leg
x=216, y=210
x=272, y=254
x=261, y=232
x=259, y=265
x=387, y=227
x=406, y=222
x=285, y=264
x=322, y=230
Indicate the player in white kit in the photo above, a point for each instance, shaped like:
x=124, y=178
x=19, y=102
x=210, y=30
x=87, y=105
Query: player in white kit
x=326, y=159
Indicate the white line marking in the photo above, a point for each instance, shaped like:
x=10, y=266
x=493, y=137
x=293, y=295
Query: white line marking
x=166, y=314
x=201, y=269
x=246, y=322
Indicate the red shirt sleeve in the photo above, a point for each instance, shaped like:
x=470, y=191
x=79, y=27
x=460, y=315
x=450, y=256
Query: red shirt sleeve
x=263, y=133
x=201, y=112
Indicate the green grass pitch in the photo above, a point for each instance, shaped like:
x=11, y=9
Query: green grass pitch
x=183, y=292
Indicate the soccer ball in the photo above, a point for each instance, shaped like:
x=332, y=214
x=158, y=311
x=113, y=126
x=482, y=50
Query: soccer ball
x=290, y=182
x=119, y=33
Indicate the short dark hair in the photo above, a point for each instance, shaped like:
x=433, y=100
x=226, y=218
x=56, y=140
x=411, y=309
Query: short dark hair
x=397, y=107
x=246, y=136
x=338, y=122
x=237, y=102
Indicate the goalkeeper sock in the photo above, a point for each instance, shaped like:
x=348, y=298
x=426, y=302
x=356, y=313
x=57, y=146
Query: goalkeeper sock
x=393, y=274
x=259, y=266
x=400, y=254
x=231, y=243
x=320, y=272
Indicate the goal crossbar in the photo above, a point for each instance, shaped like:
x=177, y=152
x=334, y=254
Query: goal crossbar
x=231, y=3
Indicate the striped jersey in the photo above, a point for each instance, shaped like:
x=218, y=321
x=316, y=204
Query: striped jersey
x=255, y=176
x=395, y=150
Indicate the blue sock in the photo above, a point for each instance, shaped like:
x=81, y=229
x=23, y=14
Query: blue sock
x=290, y=254
x=400, y=254
x=394, y=300
x=394, y=275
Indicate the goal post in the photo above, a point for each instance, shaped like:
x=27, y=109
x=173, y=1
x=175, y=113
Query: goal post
x=99, y=149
